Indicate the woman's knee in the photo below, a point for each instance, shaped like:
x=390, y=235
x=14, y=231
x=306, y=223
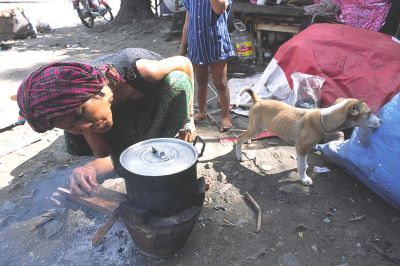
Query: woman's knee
x=179, y=81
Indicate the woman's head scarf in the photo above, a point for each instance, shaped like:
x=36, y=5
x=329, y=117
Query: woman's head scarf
x=57, y=89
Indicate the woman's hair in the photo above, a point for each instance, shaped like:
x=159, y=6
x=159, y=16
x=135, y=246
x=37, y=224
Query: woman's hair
x=57, y=89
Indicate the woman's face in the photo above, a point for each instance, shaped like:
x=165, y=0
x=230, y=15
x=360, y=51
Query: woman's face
x=93, y=116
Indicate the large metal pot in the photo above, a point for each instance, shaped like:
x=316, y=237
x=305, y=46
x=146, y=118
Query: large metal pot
x=160, y=174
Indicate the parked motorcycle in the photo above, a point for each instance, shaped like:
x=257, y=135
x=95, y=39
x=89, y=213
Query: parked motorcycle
x=89, y=10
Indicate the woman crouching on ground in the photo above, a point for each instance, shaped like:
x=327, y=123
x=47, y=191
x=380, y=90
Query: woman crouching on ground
x=109, y=104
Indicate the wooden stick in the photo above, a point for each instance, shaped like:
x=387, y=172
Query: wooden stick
x=99, y=204
x=102, y=231
x=227, y=222
x=108, y=194
x=20, y=145
x=257, y=208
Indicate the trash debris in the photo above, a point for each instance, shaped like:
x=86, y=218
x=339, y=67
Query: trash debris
x=201, y=221
x=255, y=205
x=221, y=177
x=225, y=188
x=314, y=248
x=266, y=167
x=327, y=220
x=56, y=201
x=219, y=208
x=261, y=252
x=344, y=264
x=358, y=218
x=208, y=199
x=331, y=212
x=208, y=165
x=228, y=223
x=52, y=228
x=321, y=170
x=301, y=228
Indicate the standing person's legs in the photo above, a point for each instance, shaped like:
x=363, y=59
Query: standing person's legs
x=219, y=71
x=201, y=78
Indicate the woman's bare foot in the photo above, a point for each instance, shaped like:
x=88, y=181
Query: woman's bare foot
x=225, y=123
x=199, y=116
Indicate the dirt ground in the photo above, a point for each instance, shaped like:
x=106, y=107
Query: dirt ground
x=300, y=225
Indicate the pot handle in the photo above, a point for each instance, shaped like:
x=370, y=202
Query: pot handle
x=198, y=138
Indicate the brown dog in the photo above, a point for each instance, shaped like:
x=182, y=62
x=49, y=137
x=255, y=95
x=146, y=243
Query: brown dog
x=304, y=128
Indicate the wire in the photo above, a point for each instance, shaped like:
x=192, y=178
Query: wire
x=216, y=94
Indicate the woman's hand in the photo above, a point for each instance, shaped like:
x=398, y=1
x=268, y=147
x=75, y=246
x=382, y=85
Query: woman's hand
x=83, y=180
x=188, y=132
x=182, y=50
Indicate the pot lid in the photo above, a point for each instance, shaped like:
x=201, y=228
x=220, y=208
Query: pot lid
x=159, y=157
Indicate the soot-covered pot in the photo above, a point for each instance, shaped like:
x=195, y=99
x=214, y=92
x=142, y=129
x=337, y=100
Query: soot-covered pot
x=160, y=174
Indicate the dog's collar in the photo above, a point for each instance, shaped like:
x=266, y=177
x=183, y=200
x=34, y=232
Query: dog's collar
x=322, y=125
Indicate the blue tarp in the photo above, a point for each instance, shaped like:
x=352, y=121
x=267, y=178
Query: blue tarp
x=373, y=155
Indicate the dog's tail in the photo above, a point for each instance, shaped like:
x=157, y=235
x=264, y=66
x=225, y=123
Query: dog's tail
x=253, y=95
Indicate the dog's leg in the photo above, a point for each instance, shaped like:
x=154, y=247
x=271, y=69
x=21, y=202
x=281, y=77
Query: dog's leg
x=239, y=143
x=248, y=134
x=251, y=131
x=301, y=168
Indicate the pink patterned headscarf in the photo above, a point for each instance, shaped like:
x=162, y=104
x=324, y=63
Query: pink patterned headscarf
x=57, y=89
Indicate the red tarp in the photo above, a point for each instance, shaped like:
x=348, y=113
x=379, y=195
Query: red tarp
x=355, y=62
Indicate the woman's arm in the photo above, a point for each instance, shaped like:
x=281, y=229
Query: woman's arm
x=97, y=143
x=154, y=71
x=219, y=6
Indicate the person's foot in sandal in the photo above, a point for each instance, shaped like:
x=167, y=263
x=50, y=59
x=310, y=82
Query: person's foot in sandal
x=225, y=123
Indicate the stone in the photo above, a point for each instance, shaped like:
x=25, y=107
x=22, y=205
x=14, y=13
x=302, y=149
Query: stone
x=289, y=260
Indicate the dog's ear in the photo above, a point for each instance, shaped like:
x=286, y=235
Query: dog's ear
x=356, y=108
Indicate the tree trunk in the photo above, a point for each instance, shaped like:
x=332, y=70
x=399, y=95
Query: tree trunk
x=133, y=11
